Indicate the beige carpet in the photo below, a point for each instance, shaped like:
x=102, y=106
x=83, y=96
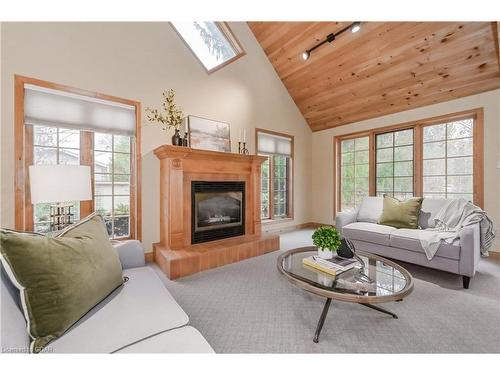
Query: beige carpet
x=247, y=307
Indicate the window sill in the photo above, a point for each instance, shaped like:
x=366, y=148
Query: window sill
x=276, y=221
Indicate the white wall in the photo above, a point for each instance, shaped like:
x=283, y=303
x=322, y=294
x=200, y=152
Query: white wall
x=138, y=61
x=322, y=151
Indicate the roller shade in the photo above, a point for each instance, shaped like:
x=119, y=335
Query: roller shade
x=274, y=144
x=49, y=107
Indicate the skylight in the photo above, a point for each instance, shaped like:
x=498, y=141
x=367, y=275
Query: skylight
x=211, y=42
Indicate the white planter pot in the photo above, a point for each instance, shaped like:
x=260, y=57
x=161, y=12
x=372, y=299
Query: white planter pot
x=325, y=254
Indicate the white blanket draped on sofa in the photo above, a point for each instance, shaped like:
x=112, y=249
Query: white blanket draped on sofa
x=455, y=215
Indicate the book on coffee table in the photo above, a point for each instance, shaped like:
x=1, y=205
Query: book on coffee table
x=331, y=266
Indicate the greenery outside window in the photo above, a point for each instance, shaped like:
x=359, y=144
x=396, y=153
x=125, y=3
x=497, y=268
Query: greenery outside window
x=212, y=43
x=439, y=157
x=276, y=174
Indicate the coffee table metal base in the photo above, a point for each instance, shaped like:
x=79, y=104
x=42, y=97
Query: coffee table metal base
x=327, y=307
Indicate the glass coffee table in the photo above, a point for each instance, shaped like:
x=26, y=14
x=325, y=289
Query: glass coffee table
x=378, y=280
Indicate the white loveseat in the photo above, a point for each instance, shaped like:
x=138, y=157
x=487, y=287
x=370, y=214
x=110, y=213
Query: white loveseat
x=139, y=317
x=361, y=227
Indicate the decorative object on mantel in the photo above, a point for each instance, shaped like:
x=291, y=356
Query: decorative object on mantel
x=206, y=134
x=61, y=186
x=327, y=240
x=242, y=144
x=171, y=118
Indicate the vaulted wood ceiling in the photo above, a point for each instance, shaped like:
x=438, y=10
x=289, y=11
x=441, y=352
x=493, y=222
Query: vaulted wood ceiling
x=384, y=68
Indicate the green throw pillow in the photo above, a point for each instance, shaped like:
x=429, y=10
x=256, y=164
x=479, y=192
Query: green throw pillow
x=60, y=278
x=401, y=214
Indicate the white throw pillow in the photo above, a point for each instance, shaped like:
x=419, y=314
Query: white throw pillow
x=371, y=209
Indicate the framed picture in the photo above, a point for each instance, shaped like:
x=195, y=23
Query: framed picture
x=205, y=134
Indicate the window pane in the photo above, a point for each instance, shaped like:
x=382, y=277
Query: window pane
x=403, y=153
x=435, y=184
x=404, y=137
x=69, y=156
x=403, y=168
x=103, y=142
x=121, y=163
x=44, y=136
x=435, y=167
x=460, y=165
x=385, y=140
x=385, y=184
x=455, y=169
x=207, y=42
x=121, y=185
x=403, y=184
x=459, y=184
x=460, y=129
x=435, y=133
x=69, y=138
x=434, y=150
x=121, y=143
x=354, y=171
x=384, y=155
x=103, y=162
x=385, y=170
x=460, y=147
x=44, y=156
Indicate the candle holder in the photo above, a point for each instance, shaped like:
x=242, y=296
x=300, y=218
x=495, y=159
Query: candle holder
x=242, y=150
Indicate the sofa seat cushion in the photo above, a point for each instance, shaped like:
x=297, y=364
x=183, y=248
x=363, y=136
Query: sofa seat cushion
x=186, y=339
x=409, y=239
x=368, y=232
x=141, y=308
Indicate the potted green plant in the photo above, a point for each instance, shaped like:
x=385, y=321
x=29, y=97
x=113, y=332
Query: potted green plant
x=327, y=240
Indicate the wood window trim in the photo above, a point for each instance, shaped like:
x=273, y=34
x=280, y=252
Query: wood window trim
x=289, y=181
x=24, y=157
x=418, y=125
x=226, y=31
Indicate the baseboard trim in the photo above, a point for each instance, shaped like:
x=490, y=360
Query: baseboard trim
x=495, y=254
x=289, y=228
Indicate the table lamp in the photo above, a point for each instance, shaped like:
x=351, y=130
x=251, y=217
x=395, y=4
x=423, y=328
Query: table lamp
x=56, y=184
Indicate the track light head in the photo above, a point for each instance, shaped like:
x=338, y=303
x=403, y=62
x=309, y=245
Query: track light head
x=356, y=26
x=305, y=55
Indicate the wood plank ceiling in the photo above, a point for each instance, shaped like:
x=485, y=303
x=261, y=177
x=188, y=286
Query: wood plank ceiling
x=384, y=68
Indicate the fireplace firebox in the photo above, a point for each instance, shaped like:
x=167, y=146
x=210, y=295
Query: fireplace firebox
x=217, y=210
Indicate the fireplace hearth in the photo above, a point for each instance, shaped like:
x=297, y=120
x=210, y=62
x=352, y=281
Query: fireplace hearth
x=217, y=210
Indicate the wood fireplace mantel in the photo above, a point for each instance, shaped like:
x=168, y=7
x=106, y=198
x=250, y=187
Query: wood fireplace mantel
x=179, y=166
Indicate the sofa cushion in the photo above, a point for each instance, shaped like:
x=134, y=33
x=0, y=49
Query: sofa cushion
x=430, y=207
x=409, y=239
x=60, y=279
x=368, y=232
x=401, y=214
x=141, y=308
x=370, y=209
x=180, y=340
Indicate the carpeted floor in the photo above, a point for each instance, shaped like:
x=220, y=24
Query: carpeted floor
x=248, y=307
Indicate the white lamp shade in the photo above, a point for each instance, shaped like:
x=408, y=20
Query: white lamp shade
x=60, y=183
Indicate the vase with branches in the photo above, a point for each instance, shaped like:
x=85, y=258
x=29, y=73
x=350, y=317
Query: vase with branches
x=170, y=117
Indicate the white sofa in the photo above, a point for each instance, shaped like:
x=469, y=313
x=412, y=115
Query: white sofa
x=360, y=226
x=139, y=317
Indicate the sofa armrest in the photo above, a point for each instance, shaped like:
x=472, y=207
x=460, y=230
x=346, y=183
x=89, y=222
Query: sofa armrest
x=131, y=253
x=344, y=218
x=469, y=249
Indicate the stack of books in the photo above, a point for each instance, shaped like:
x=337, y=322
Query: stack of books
x=332, y=266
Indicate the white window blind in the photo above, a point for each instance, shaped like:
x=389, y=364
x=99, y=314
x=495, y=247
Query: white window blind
x=49, y=107
x=270, y=144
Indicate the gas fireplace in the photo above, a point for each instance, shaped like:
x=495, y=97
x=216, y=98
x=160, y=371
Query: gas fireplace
x=217, y=210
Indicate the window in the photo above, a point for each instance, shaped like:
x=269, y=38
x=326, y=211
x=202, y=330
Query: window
x=354, y=161
x=276, y=174
x=93, y=129
x=212, y=43
x=448, y=160
x=53, y=145
x=112, y=170
x=441, y=157
x=394, y=164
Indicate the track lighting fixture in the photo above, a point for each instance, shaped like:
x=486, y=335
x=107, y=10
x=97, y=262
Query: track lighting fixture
x=355, y=26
